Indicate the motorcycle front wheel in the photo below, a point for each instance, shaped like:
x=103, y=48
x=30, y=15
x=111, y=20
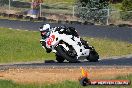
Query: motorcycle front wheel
x=63, y=53
x=59, y=58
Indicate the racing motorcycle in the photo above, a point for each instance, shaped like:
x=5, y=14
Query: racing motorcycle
x=67, y=45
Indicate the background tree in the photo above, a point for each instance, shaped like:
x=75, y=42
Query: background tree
x=127, y=5
x=126, y=14
x=3, y=2
x=91, y=10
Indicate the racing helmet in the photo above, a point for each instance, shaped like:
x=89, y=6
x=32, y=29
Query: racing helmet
x=45, y=27
x=45, y=30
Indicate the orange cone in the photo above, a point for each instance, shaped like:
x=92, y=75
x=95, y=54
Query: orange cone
x=84, y=73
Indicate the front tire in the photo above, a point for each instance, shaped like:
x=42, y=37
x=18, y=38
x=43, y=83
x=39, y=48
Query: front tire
x=60, y=50
x=59, y=59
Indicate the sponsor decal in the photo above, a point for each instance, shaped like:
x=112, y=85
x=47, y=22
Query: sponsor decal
x=85, y=81
x=50, y=39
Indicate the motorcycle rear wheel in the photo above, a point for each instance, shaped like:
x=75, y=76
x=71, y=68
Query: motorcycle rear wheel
x=93, y=56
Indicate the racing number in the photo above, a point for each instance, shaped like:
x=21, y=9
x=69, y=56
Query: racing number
x=50, y=39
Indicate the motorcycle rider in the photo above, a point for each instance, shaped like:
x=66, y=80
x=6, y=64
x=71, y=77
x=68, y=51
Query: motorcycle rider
x=46, y=29
x=45, y=32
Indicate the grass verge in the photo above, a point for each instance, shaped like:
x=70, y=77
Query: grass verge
x=65, y=84
x=22, y=46
x=116, y=6
x=54, y=1
x=17, y=46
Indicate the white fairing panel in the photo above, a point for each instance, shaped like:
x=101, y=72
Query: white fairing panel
x=55, y=37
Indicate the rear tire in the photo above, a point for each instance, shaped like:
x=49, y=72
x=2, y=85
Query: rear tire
x=93, y=56
x=65, y=55
x=59, y=59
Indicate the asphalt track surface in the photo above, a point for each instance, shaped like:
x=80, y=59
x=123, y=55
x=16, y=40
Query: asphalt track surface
x=111, y=32
x=117, y=33
x=117, y=62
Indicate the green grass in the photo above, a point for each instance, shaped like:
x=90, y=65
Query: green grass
x=108, y=48
x=65, y=84
x=116, y=6
x=57, y=1
x=54, y=1
x=22, y=46
x=115, y=15
x=17, y=46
